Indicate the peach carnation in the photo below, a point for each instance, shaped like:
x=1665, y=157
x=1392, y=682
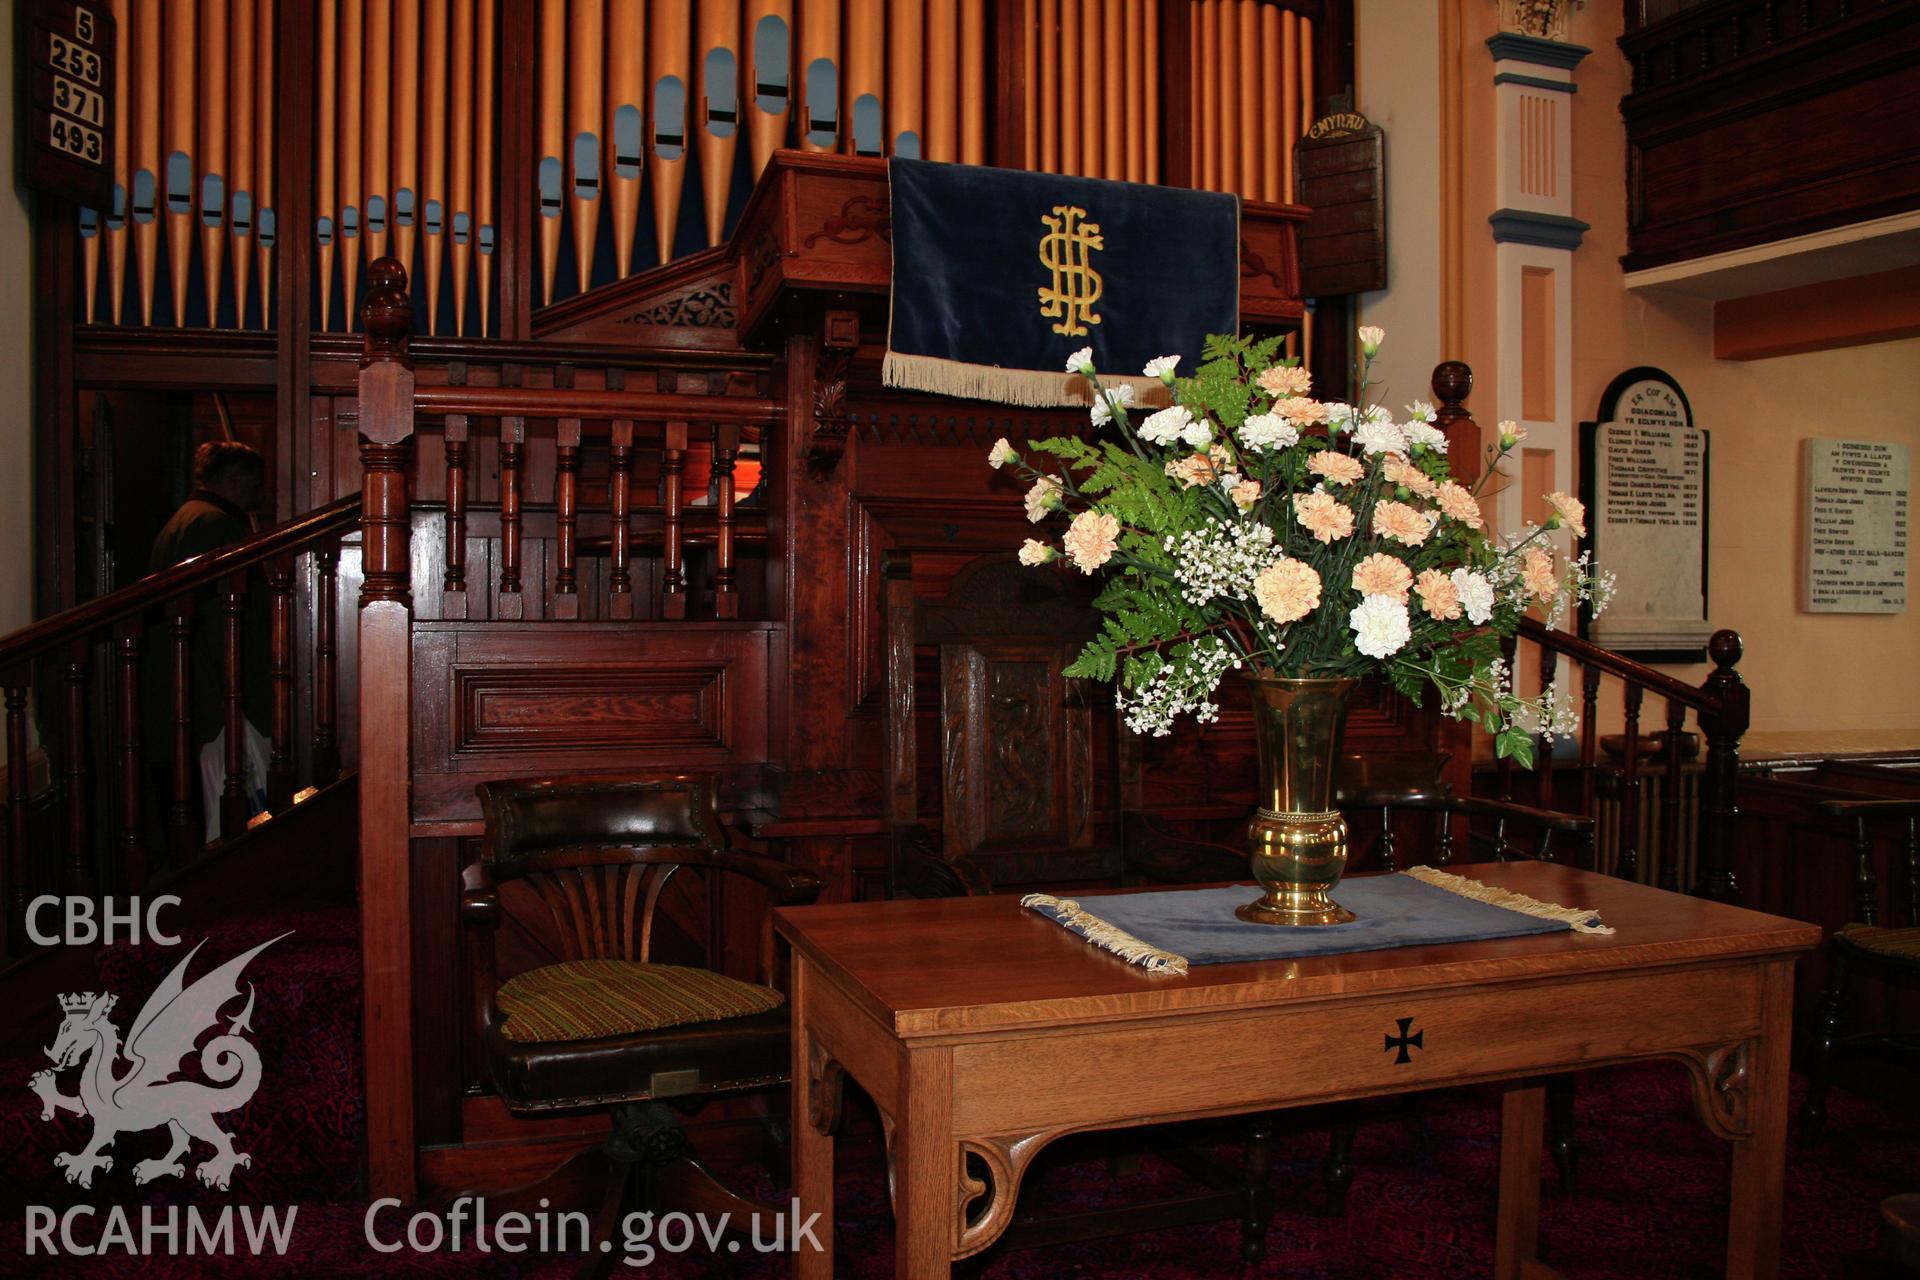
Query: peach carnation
x=1199, y=468
x=1285, y=380
x=1400, y=522
x=1403, y=473
x=1091, y=539
x=1438, y=596
x=1300, y=411
x=1458, y=504
x=1536, y=573
x=1323, y=516
x=1287, y=590
x=1338, y=468
x=1382, y=575
x=1245, y=494
x=1572, y=512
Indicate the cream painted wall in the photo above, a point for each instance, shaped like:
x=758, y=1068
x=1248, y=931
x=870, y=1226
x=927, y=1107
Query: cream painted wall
x=1820, y=681
x=16, y=377
x=1391, y=37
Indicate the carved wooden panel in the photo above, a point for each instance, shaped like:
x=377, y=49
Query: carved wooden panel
x=498, y=699
x=1011, y=726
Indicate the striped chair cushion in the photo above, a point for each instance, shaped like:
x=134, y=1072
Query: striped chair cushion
x=1895, y=944
x=593, y=999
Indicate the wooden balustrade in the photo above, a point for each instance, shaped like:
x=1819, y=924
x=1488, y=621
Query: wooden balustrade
x=1643, y=839
x=91, y=667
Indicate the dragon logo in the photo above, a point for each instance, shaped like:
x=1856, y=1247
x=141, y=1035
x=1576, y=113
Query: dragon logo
x=145, y=1095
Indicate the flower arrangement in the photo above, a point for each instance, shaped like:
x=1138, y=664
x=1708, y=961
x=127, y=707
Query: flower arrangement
x=1250, y=527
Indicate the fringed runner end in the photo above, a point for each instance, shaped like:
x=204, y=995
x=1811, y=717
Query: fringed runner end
x=1032, y=388
x=1106, y=936
x=1579, y=919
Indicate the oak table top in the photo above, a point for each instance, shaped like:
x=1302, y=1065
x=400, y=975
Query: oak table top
x=982, y=1028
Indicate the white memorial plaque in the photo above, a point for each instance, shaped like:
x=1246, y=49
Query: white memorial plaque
x=1648, y=519
x=1856, y=527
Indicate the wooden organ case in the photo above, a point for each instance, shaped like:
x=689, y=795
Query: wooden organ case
x=647, y=471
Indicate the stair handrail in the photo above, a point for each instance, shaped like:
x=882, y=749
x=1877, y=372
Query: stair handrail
x=58, y=630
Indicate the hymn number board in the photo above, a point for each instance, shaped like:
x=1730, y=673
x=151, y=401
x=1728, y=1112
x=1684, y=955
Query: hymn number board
x=69, y=107
x=1644, y=479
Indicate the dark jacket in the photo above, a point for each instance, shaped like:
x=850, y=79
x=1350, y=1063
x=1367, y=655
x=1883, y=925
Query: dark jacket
x=206, y=522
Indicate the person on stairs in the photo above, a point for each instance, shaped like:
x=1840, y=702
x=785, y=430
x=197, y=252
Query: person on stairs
x=229, y=481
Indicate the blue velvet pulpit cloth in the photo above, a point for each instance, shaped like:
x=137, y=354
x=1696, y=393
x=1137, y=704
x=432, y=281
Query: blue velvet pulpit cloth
x=999, y=275
x=1167, y=931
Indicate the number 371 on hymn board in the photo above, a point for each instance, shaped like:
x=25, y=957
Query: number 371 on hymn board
x=69, y=143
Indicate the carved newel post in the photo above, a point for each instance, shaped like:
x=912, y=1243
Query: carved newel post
x=1719, y=790
x=385, y=691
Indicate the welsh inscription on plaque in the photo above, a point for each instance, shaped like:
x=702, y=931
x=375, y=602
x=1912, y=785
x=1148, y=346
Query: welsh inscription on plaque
x=1649, y=520
x=1856, y=527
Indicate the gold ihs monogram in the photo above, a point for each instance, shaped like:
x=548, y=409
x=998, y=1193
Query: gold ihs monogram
x=1064, y=250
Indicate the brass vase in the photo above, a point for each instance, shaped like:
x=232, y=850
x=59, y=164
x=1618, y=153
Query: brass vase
x=1299, y=840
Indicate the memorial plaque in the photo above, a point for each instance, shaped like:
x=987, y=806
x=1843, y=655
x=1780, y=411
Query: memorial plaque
x=1856, y=527
x=1645, y=472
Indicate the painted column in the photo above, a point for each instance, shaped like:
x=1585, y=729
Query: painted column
x=1535, y=236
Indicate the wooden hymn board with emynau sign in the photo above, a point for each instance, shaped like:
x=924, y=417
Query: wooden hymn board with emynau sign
x=1340, y=173
x=67, y=118
x=1643, y=468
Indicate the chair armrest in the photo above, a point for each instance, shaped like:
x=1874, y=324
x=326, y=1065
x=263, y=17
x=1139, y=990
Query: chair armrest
x=479, y=899
x=1477, y=806
x=918, y=869
x=787, y=886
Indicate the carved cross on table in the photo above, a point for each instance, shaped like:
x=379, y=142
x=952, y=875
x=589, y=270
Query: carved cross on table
x=1405, y=1042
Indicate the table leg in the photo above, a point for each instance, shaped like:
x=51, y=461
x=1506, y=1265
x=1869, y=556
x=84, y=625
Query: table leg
x=812, y=1148
x=926, y=1170
x=1522, y=1131
x=1760, y=1159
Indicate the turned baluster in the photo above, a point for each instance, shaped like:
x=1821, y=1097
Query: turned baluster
x=184, y=834
x=1504, y=770
x=453, y=589
x=326, y=660
x=1589, y=734
x=566, y=501
x=18, y=798
x=1671, y=810
x=1549, y=668
x=1386, y=839
x=233, y=793
x=280, y=674
x=1913, y=873
x=74, y=771
x=1723, y=726
x=1628, y=866
x=513, y=439
x=1866, y=885
x=726, y=447
x=133, y=834
x=673, y=584
x=620, y=482
x=1443, y=847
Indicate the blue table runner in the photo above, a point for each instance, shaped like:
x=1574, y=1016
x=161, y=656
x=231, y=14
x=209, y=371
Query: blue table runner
x=1166, y=931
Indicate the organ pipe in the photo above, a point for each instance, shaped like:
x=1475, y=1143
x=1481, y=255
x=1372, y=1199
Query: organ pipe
x=403, y=152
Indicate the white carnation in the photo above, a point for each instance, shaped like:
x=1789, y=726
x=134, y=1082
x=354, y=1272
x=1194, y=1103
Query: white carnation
x=1421, y=432
x=1380, y=626
x=1199, y=433
x=1161, y=367
x=1268, y=431
x=1001, y=454
x=1167, y=426
x=1421, y=411
x=1476, y=594
x=1375, y=436
x=1340, y=416
x=1118, y=396
x=1033, y=551
x=1081, y=361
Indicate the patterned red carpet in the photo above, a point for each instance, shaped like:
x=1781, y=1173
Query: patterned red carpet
x=1651, y=1200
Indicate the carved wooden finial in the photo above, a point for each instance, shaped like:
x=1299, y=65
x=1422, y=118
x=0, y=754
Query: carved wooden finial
x=1725, y=649
x=387, y=316
x=1452, y=384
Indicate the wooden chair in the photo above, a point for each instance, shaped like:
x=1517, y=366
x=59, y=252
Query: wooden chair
x=1864, y=944
x=1015, y=733
x=606, y=1027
